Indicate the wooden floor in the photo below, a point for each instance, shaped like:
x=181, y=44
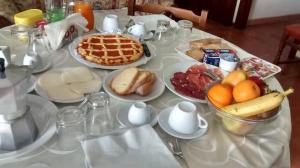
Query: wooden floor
x=262, y=41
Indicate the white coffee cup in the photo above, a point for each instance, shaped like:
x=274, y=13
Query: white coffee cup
x=138, y=29
x=138, y=113
x=184, y=119
x=110, y=23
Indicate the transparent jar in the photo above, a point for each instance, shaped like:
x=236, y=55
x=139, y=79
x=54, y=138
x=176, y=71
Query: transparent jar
x=99, y=120
x=185, y=30
x=70, y=125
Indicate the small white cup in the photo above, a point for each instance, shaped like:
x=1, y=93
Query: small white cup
x=138, y=29
x=110, y=23
x=184, y=119
x=138, y=113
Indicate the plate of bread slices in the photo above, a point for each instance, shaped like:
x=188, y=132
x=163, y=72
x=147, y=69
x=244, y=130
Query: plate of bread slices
x=133, y=84
x=68, y=85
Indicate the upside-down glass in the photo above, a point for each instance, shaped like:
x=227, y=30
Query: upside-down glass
x=70, y=126
x=99, y=120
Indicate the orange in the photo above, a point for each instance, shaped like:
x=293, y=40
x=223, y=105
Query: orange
x=220, y=95
x=245, y=90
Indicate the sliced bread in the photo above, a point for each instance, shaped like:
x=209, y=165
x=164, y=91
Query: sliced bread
x=146, y=87
x=142, y=78
x=122, y=83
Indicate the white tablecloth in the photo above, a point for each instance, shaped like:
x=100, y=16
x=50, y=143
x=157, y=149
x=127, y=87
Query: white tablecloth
x=216, y=148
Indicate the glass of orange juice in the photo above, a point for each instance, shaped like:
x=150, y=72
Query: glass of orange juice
x=86, y=11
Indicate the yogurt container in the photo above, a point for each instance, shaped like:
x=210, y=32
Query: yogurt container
x=228, y=61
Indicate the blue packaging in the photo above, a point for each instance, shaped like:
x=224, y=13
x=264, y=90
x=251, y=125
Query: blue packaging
x=211, y=57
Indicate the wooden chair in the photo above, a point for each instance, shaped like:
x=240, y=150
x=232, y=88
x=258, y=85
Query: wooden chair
x=290, y=36
x=176, y=12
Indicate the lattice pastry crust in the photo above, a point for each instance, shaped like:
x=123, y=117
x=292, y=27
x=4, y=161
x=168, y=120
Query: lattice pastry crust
x=110, y=49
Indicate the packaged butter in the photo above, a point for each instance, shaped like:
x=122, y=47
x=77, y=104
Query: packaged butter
x=28, y=17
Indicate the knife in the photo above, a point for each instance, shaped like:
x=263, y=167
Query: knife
x=146, y=50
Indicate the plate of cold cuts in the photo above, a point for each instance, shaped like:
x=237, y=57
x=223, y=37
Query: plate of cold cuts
x=189, y=81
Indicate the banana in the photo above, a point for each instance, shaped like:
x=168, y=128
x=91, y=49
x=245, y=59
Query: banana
x=258, y=105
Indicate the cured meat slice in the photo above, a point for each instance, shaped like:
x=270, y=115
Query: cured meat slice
x=193, y=81
x=197, y=69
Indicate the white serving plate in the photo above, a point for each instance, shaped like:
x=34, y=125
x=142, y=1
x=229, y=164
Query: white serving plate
x=43, y=112
x=40, y=91
x=157, y=89
x=143, y=60
x=182, y=67
x=261, y=64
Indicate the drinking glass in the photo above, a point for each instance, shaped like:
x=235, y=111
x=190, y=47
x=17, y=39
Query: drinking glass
x=55, y=10
x=162, y=29
x=86, y=11
x=70, y=126
x=99, y=118
x=185, y=30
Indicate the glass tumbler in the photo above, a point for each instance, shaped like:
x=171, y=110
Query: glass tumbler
x=70, y=127
x=185, y=30
x=55, y=10
x=99, y=118
x=162, y=30
x=86, y=11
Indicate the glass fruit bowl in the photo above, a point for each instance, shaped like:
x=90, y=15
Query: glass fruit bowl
x=240, y=125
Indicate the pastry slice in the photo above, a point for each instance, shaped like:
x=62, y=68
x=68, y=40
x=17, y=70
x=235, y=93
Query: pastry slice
x=62, y=93
x=50, y=79
x=77, y=74
x=85, y=87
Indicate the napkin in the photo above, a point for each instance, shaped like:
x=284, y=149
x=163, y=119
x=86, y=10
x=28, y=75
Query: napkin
x=64, y=31
x=138, y=147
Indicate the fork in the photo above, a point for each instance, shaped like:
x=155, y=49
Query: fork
x=176, y=150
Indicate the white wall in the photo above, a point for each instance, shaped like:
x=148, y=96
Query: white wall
x=273, y=8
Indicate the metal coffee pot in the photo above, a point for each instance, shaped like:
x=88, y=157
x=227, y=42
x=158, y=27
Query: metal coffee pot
x=17, y=126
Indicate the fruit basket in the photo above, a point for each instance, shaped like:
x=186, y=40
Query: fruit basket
x=242, y=126
x=244, y=104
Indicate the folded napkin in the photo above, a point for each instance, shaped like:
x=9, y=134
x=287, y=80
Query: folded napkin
x=151, y=20
x=138, y=147
x=64, y=31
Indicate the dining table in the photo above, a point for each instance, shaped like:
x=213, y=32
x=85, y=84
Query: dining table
x=216, y=148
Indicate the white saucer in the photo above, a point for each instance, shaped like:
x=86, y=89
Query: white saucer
x=163, y=123
x=122, y=116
